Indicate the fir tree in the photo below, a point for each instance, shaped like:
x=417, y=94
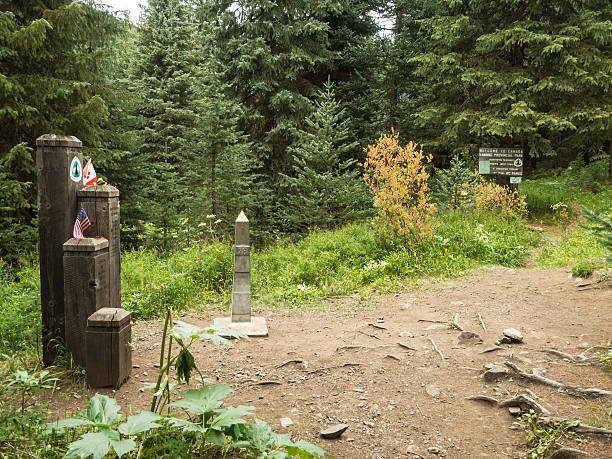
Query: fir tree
x=325, y=190
x=165, y=77
x=452, y=185
x=506, y=73
x=223, y=166
x=53, y=57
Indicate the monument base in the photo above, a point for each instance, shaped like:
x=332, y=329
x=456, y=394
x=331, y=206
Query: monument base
x=256, y=327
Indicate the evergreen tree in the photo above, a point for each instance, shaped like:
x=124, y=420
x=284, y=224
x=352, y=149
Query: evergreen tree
x=53, y=55
x=223, y=174
x=271, y=51
x=165, y=76
x=452, y=185
x=505, y=73
x=324, y=191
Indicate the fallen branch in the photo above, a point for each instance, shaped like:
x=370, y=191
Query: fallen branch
x=391, y=356
x=290, y=361
x=456, y=322
x=483, y=398
x=380, y=327
x=574, y=390
x=335, y=366
x=539, y=399
x=361, y=346
x=482, y=322
x=367, y=334
x=405, y=346
x=574, y=359
x=580, y=428
x=268, y=383
x=435, y=348
x=432, y=321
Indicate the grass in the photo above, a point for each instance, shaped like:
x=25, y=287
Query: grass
x=576, y=248
x=289, y=275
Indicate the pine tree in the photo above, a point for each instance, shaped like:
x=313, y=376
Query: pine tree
x=325, y=190
x=165, y=77
x=53, y=57
x=505, y=73
x=223, y=166
x=271, y=51
x=452, y=185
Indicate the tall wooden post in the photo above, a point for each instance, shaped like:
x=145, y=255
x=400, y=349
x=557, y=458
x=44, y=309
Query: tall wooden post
x=59, y=169
x=101, y=203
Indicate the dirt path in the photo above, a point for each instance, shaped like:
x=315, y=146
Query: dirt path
x=346, y=366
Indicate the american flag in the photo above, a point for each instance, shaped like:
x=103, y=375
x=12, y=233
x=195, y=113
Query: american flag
x=81, y=224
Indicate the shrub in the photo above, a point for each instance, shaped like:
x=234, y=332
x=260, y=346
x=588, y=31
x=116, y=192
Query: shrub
x=397, y=177
x=495, y=198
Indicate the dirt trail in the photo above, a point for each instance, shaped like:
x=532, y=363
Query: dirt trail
x=346, y=367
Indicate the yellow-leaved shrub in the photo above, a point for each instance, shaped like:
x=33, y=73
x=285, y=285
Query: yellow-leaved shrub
x=492, y=197
x=397, y=177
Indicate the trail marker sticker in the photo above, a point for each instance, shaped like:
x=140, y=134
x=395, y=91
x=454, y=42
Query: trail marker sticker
x=76, y=170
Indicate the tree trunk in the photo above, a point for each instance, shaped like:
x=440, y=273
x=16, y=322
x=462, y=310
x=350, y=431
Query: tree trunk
x=213, y=180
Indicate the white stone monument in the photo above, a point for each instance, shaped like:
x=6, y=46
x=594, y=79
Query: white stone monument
x=241, y=319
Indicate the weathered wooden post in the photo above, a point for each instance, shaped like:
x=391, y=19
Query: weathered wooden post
x=101, y=203
x=59, y=171
x=241, y=319
x=109, y=356
x=86, y=283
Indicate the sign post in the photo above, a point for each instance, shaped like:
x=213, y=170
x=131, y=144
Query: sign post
x=501, y=162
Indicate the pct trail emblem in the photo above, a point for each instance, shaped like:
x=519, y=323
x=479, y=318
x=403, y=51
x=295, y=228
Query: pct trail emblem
x=76, y=170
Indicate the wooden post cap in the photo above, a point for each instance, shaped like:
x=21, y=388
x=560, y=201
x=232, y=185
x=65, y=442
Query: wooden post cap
x=54, y=140
x=104, y=191
x=88, y=244
x=109, y=317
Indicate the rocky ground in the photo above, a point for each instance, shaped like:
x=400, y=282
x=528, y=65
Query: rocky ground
x=399, y=373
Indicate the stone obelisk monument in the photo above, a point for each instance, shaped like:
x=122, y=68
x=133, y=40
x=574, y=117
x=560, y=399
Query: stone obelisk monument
x=241, y=319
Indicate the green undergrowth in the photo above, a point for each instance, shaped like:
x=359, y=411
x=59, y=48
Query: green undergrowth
x=20, y=324
x=289, y=275
x=556, y=195
x=576, y=248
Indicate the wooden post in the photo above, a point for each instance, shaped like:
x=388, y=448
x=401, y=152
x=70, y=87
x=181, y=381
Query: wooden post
x=86, y=289
x=101, y=203
x=109, y=356
x=57, y=184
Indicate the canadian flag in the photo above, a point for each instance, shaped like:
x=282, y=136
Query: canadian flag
x=89, y=174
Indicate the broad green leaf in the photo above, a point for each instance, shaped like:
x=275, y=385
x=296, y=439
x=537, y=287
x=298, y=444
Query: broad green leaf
x=262, y=438
x=303, y=446
x=185, y=331
x=185, y=363
x=101, y=410
x=98, y=444
x=216, y=437
x=70, y=422
x=91, y=444
x=276, y=454
x=185, y=425
x=203, y=400
x=141, y=422
x=216, y=339
x=229, y=416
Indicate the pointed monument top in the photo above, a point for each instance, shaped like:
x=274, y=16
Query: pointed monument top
x=242, y=218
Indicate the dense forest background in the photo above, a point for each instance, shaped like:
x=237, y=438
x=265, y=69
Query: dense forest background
x=206, y=107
